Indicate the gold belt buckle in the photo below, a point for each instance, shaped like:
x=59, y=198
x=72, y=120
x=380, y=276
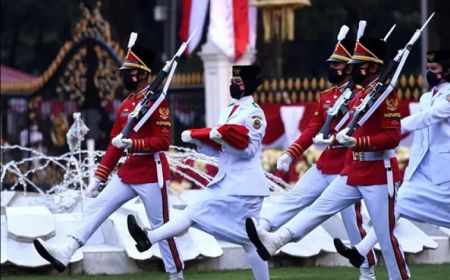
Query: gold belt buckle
x=359, y=156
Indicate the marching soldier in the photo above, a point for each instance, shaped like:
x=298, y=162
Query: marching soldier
x=145, y=172
x=330, y=162
x=425, y=193
x=369, y=173
x=431, y=130
x=238, y=189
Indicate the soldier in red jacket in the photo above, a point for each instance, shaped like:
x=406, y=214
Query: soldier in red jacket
x=145, y=172
x=370, y=172
x=330, y=162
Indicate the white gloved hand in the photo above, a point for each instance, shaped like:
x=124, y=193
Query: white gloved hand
x=216, y=136
x=318, y=139
x=284, y=162
x=92, y=189
x=344, y=139
x=121, y=143
x=186, y=136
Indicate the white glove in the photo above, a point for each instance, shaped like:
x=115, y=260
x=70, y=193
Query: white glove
x=284, y=162
x=186, y=136
x=121, y=143
x=216, y=136
x=92, y=189
x=318, y=139
x=344, y=139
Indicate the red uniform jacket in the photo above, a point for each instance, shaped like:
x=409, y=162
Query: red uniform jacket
x=332, y=159
x=154, y=136
x=380, y=132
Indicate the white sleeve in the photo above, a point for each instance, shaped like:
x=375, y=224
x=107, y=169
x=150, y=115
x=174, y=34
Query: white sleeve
x=256, y=124
x=431, y=115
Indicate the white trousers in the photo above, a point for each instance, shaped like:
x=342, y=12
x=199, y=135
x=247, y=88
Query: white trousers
x=421, y=200
x=115, y=195
x=222, y=216
x=380, y=206
x=303, y=194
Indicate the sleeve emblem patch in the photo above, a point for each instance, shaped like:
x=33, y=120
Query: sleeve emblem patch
x=256, y=122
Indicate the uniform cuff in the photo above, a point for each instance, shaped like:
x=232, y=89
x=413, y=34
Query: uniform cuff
x=102, y=172
x=295, y=151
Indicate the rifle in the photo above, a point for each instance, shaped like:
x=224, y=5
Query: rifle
x=384, y=87
x=341, y=103
x=143, y=111
x=339, y=106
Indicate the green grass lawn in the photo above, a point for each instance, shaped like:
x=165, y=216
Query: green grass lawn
x=435, y=272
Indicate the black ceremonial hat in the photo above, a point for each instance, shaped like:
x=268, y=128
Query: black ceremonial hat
x=369, y=49
x=250, y=74
x=438, y=56
x=139, y=57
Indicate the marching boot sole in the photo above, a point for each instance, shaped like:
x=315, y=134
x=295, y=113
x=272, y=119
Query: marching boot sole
x=142, y=241
x=46, y=255
x=355, y=259
x=254, y=238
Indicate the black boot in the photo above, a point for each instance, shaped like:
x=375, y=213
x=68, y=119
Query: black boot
x=139, y=235
x=351, y=254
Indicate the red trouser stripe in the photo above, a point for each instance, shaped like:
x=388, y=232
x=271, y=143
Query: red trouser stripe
x=172, y=245
x=362, y=232
x=398, y=254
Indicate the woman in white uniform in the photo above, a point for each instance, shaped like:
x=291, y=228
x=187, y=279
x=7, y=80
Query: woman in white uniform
x=238, y=189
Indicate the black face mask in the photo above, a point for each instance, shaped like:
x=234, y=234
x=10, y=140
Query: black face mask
x=432, y=79
x=357, y=76
x=334, y=77
x=128, y=81
x=235, y=91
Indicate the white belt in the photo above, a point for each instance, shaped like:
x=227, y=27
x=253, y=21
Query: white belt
x=372, y=156
x=140, y=154
x=385, y=156
x=159, y=170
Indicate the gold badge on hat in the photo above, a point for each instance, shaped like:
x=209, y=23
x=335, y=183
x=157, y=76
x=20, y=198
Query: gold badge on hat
x=430, y=57
x=237, y=71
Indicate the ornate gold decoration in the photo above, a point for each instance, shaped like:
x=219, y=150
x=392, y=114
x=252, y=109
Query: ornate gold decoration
x=278, y=17
x=106, y=77
x=73, y=80
x=91, y=24
x=291, y=90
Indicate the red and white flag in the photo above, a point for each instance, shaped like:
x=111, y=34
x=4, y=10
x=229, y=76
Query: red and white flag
x=232, y=26
x=193, y=16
